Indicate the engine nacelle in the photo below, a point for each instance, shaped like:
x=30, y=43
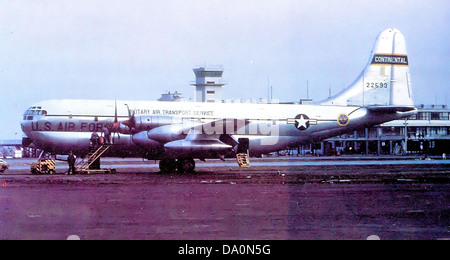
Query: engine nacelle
x=167, y=133
x=142, y=140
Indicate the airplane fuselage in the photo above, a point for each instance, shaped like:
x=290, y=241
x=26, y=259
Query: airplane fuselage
x=62, y=126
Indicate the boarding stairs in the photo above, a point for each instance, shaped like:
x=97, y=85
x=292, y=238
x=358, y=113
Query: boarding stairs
x=243, y=160
x=84, y=166
x=242, y=154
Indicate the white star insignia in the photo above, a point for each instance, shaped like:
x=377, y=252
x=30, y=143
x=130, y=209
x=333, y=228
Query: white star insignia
x=302, y=122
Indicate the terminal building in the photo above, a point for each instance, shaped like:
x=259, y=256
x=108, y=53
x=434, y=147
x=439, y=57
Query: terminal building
x=172, y=97
x=426, y=133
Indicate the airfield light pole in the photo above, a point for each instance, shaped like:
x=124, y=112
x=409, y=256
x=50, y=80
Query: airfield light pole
x=269, y=91
x=271, y=94
x=406, y=136
x=307, y=89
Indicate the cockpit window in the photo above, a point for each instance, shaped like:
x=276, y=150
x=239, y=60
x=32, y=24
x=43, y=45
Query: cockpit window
x=32, y=112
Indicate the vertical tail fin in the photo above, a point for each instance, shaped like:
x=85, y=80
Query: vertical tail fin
x=386, y=79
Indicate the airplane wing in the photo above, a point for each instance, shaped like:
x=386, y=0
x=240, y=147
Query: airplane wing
x=213, y=138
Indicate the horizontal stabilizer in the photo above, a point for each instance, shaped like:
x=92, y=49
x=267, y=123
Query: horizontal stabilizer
x=390, y=109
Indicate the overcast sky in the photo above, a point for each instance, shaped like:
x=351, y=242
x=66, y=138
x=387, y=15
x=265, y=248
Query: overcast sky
x=138, y=49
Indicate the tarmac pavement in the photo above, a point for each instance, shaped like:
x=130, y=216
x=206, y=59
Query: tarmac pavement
x=268, y=201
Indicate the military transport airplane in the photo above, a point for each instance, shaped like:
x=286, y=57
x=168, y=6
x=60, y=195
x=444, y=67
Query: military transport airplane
x=177, y=133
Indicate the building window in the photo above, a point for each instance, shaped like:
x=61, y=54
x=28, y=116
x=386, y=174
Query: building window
x=433, y=131
x=441, y=131
x=392, y=131
x=423, y=116
x=361, y=133
x=439, y=116
x=413, y=117
x=213, y=74
x=436, y=116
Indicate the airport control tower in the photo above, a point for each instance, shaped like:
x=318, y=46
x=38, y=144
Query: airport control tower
x=208, y=84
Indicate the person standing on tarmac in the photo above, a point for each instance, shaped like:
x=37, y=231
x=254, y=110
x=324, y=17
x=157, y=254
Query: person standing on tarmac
x=71, y=160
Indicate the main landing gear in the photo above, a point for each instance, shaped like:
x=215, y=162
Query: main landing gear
x=182, y=165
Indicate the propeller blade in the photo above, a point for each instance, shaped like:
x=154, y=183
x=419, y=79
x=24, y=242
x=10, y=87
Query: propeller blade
x=131, y=122
x=116, y=124
x=116, y=119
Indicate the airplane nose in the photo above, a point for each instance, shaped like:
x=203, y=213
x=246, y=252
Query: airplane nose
x=26, y=128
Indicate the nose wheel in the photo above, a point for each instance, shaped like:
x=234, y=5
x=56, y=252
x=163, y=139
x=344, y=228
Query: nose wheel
x=182, y=165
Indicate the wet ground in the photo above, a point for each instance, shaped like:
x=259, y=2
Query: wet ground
x=221, y=201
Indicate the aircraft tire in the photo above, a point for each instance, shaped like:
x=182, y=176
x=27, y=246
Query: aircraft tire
x=168, y=165
x=186, y=165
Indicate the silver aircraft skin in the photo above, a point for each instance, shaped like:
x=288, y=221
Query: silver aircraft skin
x=176, y=133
